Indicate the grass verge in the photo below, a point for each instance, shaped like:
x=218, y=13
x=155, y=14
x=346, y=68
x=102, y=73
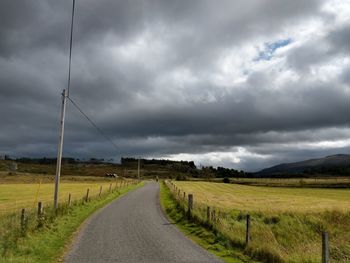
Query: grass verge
x=45, y=239
x=207, y=238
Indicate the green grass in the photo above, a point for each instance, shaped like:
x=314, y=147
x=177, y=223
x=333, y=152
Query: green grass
x=286, y=223
x=47, y=242
x=210, y=240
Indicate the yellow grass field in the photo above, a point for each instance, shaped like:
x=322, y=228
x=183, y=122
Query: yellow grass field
x=286, y=223
x=272, y=199
x=15, y=196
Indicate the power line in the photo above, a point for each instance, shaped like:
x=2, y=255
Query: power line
x=69, y=81
x=92, y=123
x=70, y=47
x=65, y=95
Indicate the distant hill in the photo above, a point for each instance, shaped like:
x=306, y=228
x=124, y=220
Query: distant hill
x=338, y=164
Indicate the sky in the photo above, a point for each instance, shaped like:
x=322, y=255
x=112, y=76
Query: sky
x=244, y=84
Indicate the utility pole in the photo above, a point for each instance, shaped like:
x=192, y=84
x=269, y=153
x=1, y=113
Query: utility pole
x=138, y=169
x=60, y=146
x=65, y=96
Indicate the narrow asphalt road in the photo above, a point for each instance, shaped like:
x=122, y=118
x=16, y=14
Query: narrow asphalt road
x=133, y=229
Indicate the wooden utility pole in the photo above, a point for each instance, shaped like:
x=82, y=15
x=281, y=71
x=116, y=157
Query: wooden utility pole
x=65, y=96
x=60, y=146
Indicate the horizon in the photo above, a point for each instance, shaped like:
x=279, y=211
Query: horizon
x=198, y=165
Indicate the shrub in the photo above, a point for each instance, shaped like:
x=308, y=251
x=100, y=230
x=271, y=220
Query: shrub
x=181, y=177
x=226, y=180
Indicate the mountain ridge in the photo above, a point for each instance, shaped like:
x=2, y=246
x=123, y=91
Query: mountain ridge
x=337, y=160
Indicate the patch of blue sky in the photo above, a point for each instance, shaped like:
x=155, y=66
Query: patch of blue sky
x=270, y=48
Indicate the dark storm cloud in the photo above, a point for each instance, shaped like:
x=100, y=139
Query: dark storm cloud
x=150, y=73
x=340, y=38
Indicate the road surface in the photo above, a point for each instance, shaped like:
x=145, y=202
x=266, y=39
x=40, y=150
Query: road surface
x=133, y=229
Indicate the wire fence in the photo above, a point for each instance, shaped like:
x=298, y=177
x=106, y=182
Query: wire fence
x=14, y=197
x=255, y=233
x=16, y=225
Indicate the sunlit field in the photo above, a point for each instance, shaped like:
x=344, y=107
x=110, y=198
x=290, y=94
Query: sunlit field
x=16, y=196
x=247, y=198
x=286, y=223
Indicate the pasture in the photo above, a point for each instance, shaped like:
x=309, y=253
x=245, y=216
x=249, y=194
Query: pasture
x=320, y=181
x=271, y=199
x=286, y=223
x=15, y=195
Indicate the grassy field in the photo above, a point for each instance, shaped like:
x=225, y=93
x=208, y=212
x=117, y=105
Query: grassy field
x=15, y=196
x=45, y=239
x=286, y=222
x=252, y=198
x=316, y=182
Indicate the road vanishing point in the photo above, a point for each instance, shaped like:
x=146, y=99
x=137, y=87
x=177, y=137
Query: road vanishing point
x=133, y=229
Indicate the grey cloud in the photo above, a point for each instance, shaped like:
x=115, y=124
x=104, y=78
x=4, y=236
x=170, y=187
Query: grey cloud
x=340, y=38
x=138, y=99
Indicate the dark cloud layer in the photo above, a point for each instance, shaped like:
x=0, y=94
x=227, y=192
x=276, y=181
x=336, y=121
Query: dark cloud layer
x=177, y=79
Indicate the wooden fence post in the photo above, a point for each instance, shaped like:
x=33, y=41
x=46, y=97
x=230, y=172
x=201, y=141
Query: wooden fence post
x=23, y=221
x=110, y=187
x=190, y=205
x=99, y=194
x=325, y=247
x=184, y=196
x=87, y=195
x=69, y=199
x=208, y=214
x=40, y=214
x=247, y=233
x=40, y=209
